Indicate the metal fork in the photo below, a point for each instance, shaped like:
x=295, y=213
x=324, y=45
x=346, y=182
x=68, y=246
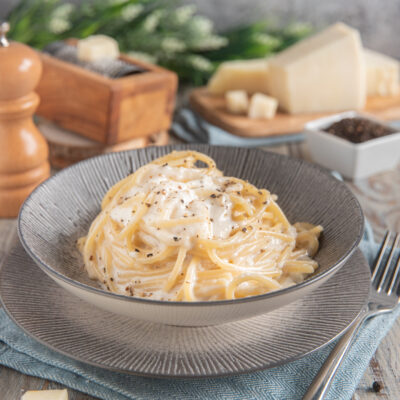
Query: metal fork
x=383, y=298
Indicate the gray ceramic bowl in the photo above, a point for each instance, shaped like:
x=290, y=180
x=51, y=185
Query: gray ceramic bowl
x=62, y=208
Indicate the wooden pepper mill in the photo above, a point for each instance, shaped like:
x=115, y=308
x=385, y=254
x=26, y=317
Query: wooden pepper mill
x=23, y=150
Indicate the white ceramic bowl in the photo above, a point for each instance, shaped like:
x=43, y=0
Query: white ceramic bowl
x=352, y=160
x=61, y=210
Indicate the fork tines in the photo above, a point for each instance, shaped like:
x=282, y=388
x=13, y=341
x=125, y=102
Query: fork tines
x=386, y=272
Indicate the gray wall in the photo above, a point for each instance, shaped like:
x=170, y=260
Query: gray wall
x=378, y=20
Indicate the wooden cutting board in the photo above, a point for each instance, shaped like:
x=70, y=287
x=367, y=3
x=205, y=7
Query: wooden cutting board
x=212, y=109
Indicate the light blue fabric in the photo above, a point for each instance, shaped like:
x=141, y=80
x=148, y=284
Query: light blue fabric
x=193, y=129
x=287, y=382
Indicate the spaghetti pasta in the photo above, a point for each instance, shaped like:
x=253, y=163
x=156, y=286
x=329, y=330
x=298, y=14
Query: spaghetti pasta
x=177, y=231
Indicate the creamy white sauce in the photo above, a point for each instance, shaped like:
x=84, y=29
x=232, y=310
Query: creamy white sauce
x=179, y=193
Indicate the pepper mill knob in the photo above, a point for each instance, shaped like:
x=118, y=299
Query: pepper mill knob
x=23, y=150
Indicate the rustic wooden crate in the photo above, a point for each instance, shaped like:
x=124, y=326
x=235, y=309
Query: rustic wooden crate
x=103, y=109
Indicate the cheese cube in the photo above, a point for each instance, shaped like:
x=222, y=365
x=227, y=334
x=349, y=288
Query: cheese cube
x=237, y=101
x=382, y=74
x=97, y=47
x=45, y=395
x=325, y=72
x=262, y=106
x=250, y=76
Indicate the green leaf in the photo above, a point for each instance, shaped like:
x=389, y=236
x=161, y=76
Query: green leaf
x=177, y=37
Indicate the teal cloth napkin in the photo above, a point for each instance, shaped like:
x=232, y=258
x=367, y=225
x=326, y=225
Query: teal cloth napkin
x=290, y=381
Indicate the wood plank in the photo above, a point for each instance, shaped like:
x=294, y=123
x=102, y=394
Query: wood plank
x=14, y=384
x=212, y=108
x=8, y=237
x=383, y=368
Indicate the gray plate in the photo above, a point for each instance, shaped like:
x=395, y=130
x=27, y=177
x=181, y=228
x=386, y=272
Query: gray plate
x=81, y=331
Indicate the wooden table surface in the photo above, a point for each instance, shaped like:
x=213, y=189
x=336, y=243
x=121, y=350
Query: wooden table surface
x=380, y=198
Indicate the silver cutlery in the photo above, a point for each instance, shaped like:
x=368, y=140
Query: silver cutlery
x=383, y=298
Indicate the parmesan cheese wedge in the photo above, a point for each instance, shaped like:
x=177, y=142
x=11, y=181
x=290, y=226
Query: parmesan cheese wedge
x=325, y=72
x=97, y=47
x=45, y=395
x=250, y=76
x=382, y=74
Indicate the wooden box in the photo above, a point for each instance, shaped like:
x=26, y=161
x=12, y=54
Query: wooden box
x=103, y=109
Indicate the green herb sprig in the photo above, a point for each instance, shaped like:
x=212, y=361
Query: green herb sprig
x=160, y=31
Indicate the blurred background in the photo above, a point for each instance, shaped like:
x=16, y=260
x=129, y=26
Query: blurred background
x=372, y=17
x=196, y=40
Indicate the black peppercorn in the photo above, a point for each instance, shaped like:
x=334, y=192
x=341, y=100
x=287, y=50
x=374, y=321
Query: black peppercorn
x=376, y=387
x=359, y=130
